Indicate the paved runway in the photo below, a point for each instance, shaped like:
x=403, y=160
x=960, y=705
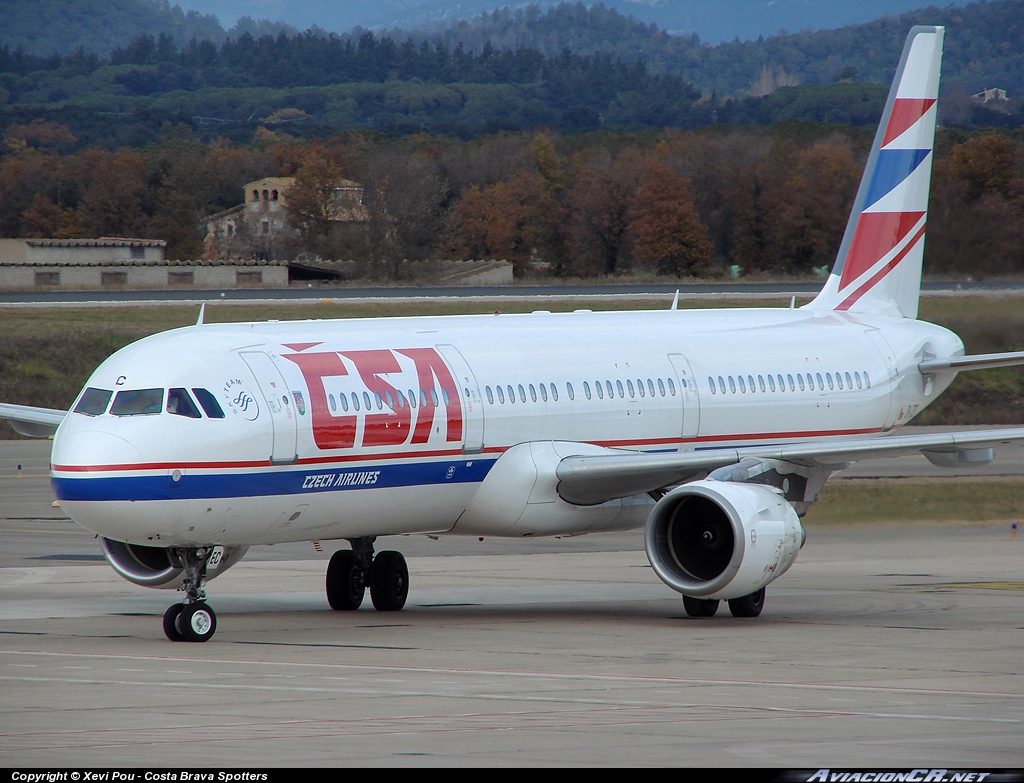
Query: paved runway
x=882, y=647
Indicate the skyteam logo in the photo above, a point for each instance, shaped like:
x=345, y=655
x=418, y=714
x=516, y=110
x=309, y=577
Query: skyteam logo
x=240, y=400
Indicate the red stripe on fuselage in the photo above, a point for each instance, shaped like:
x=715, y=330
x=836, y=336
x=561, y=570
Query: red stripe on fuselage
x=770, y=436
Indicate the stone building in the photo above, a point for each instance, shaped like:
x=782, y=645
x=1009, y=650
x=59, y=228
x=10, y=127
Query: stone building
x=255, y=228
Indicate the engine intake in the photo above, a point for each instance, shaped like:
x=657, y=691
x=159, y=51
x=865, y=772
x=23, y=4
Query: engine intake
x=153, y=566
x=722, y=540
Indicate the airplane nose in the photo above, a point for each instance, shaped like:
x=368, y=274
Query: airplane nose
x=87, y=448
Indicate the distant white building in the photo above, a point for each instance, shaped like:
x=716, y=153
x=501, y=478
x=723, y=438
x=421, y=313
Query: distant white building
x=116, y=262
x=993, y=94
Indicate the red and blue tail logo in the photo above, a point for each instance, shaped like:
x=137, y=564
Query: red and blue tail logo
x=878, y=268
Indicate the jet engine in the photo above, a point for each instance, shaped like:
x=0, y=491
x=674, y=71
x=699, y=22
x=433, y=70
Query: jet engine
x=722, y=540
x=153, y=566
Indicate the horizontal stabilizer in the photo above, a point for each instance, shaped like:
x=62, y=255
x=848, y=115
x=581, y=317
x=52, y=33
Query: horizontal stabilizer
x=983, y=361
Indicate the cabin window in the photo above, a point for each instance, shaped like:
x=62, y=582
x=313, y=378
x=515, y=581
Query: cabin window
x=742, y=385
x=93, y=402
x=378, y=400
x=533, y=393
x=568, y=388
x=867, y=380
x=760, y=382
x=586, y=390
x=608, y=388
x=490, y=395
x=401, y=400
x=839, y=380
x=771, y=382
x=600, y=390
x=209, y=403
x=330, y=400
x=180, y=404
x=344, y=402
x=543, y=392
x=366, y=401
x=501, y=396
x=821, y=382
x=711, y=385
x=629, y=388
x=800, y=380
x=732, y=385
x=650, y=387
x=138, y=402
x=511, y=393
x=849, y=381
x=672, y=386
x=433, y=397
x=554, y=393
x=661, y=387
x=412, y=398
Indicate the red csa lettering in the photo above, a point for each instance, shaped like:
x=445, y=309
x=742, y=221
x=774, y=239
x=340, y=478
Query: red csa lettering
x=382, y=429
x=428, y=366
x=329, y=432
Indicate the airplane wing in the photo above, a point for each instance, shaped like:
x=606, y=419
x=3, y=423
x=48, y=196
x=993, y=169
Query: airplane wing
x=30, y=421
x=591, y=479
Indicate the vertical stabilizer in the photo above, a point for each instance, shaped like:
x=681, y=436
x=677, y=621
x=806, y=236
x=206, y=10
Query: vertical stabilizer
x=878, y=268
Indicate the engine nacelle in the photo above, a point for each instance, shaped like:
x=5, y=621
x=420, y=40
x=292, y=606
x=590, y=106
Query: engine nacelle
x=722, y=540
x=153, y=566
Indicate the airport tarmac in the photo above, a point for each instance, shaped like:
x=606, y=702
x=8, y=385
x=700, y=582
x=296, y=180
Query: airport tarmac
x=882, y=647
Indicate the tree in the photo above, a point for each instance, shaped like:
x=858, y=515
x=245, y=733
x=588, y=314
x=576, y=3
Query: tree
x=669, y=235
x=599, y=202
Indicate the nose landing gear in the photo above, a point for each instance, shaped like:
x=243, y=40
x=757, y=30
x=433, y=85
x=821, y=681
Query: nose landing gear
x=193, y=620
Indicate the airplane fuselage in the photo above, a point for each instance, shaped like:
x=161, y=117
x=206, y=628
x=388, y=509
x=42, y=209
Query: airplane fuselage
x=348, y=428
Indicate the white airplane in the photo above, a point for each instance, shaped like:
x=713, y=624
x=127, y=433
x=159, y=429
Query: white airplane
x=715, y=430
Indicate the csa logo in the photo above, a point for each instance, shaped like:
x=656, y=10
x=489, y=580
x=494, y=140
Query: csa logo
x=241, y=400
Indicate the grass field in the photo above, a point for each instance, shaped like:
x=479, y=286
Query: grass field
x=926, y=501
x=47, y=353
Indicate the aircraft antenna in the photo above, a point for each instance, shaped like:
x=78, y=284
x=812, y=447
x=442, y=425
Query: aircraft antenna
x=202, y=313
x=675, y=301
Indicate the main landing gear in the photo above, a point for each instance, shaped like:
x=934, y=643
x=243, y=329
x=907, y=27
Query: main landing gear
x=351, y=571
x=193, y=620
x=746, y=606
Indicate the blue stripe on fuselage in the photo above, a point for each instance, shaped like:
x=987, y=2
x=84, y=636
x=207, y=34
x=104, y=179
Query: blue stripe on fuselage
x=266, y=483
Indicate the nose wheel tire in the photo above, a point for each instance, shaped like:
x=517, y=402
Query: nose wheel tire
x=389, y=582
x=700, y=607
x=196, y=622
x=749, y=605
x=170, y=623
x=346, y=582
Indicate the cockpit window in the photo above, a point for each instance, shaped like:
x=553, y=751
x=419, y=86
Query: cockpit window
x=137, y=402
x=180, y=404
x=93, y=402
x=209, y=403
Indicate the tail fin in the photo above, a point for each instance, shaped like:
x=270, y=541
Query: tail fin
x=878, y=268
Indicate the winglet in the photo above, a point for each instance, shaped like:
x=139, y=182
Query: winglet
x=878, y=268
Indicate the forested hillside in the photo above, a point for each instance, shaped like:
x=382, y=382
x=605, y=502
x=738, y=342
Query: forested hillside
x=567, y=161
x=984, y=45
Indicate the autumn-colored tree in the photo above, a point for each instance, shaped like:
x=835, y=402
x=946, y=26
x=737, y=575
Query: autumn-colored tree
x=669, y=235
x=115, y=193
x=492, y=222
x=599, y=211
x=313, y=199
x=815, y=205
x=976, y=211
